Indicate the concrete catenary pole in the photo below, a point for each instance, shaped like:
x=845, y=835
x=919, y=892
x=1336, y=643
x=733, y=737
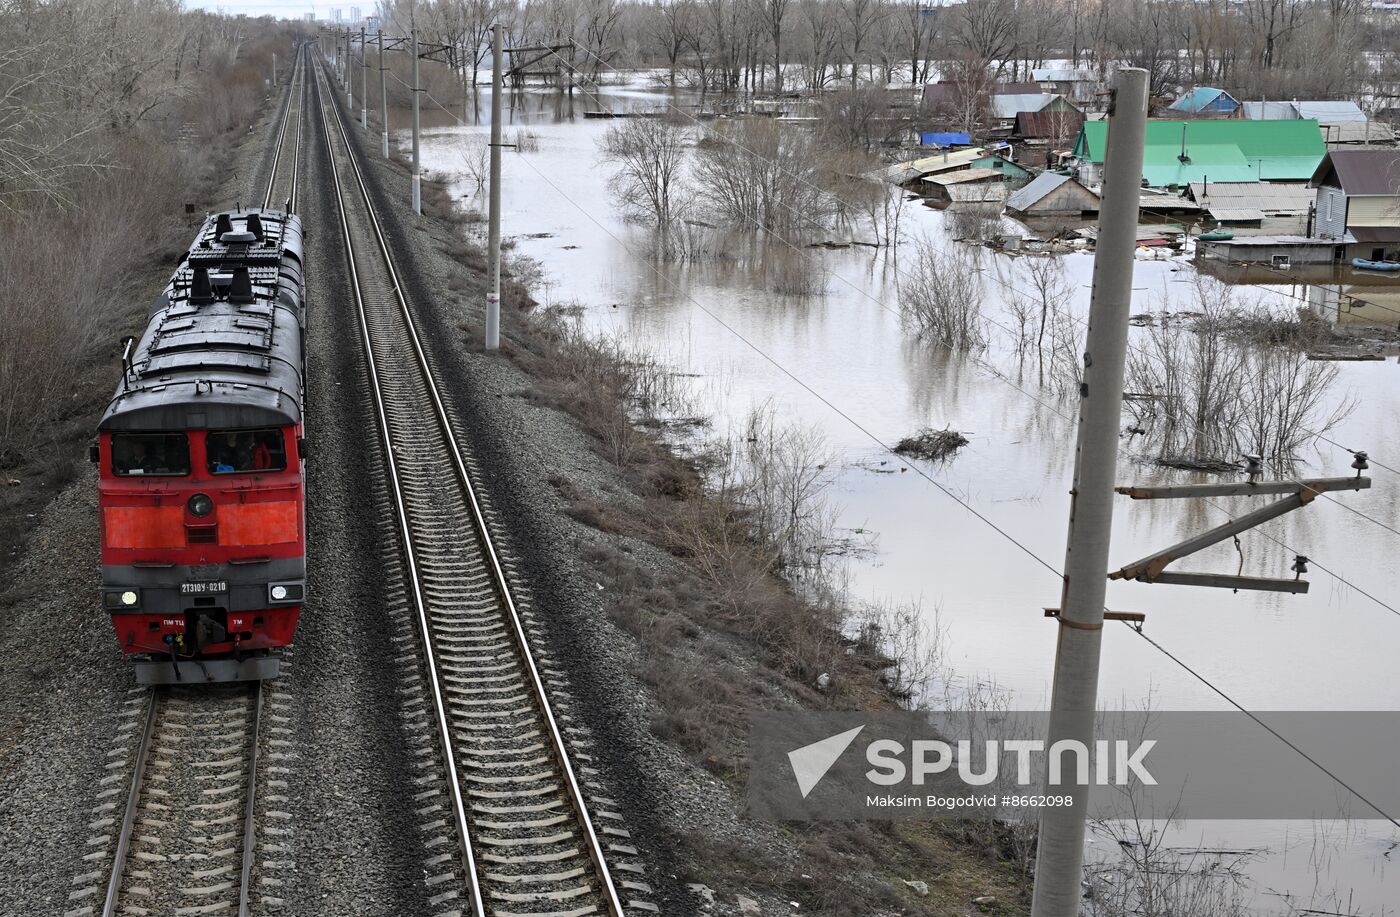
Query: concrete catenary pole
x=346, y=76
x=493, y=296
x=364, y=81
x=417, y=127
x=383, y=99
x=1060, y=855
x=274, y=68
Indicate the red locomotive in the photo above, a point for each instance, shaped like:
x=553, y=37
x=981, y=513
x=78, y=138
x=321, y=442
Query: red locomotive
x=200, y=452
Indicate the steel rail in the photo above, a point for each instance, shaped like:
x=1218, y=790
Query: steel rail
x=133, y=800
x=134, y=794
x=298, y=74
x=250, y=836
x=573, y=790
x=410, y=560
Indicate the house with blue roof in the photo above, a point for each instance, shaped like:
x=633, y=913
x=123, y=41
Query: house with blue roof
x=1206, y=102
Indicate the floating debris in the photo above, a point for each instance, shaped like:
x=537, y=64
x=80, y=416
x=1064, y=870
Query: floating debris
x=936, y=445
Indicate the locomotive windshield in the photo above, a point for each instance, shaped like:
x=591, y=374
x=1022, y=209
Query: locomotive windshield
x=150, y=453
x=234, y=451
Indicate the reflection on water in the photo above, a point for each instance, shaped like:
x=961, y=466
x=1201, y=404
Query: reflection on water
x=1329, y=649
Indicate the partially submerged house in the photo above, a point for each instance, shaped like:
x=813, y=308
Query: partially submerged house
x=902, y=173
x=1285, y=206
x=1048, y=126
x=1205, y=102
x=1004, y=107
x=967, y=186
x=1358, y=202
x=1179, y=152
x=1007, y=168
x=1078, y=84
x=1053, y=194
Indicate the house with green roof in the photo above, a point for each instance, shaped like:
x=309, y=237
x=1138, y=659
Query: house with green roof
x=1181, y=152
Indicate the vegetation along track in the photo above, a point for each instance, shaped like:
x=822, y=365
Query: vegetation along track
x=282, y=178
x=186, y=841
x=528, y=844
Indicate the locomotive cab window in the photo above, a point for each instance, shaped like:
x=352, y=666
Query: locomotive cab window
x=237, y=451
x=150, y=453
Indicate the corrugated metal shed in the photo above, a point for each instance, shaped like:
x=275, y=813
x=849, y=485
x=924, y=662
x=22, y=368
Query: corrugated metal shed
x=904, y=172
x=976, y=192
x=1217, y=196
x=1236, y=214
x=1358, y=132
x=1323, y=111
x=964, y=175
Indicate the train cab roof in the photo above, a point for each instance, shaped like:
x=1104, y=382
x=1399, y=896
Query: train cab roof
x=223, y=346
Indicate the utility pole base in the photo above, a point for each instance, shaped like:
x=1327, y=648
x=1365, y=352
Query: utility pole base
x=385, y=138
x=493, y=321
x=417, y=194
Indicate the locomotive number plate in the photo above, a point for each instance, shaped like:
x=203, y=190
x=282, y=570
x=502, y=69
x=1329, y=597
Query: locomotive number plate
x=203, y=588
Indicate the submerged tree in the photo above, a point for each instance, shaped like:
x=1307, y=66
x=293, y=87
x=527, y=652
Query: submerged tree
x=650, y=156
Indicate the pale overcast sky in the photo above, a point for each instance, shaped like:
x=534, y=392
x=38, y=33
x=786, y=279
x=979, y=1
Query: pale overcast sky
x=286, y=9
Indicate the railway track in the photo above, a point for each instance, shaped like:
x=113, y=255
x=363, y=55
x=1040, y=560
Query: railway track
x=528, y=844
x=282, y=180
x=186, y=841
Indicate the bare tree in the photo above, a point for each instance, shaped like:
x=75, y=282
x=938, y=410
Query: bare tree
x=650, y=155
x=940, y=297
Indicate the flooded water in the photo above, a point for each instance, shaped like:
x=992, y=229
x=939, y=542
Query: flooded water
x=844, y=363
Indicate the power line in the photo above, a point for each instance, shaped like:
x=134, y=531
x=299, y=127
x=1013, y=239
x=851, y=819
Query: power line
x=1271, y=730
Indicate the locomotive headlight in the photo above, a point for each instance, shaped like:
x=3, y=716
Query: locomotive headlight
x=201, y=505
x=121, y=599
x=279, y=593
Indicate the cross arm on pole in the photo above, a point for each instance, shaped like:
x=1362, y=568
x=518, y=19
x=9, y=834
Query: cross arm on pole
x=545, y=51
x=1152, y=568
x=449, y=54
